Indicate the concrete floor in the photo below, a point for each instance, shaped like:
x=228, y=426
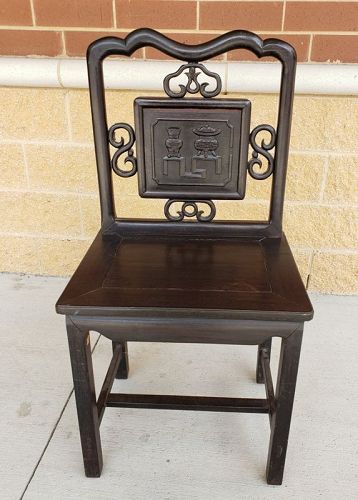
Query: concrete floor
x=169, y=454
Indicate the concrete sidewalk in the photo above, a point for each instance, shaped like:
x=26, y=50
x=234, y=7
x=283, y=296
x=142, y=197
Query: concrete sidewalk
x=168, y=454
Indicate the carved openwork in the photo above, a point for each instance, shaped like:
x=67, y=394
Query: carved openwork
x=263, y=150
x=192, y=149
x=196, y=150
x=123, y=147
x=190, y=208
x=193, y=86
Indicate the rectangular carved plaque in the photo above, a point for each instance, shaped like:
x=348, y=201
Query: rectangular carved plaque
x=192, y=148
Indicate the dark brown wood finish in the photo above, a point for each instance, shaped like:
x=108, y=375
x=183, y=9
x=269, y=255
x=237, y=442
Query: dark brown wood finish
x=202, y=403
x=281, y=418
x=234, y=277
x=267, y=347
x=111, y=374
x=219, y=282
x=85, y=393
x=123, y=366
x=190, y=118
x=108, y=46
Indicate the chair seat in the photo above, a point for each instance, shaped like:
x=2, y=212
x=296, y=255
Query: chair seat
x=246, y=278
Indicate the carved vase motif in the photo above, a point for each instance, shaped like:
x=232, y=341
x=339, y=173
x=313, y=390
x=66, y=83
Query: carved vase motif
x=173, y=143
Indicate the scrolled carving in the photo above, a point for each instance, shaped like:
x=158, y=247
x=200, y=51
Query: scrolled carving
x=190, y=209
x=123, y=147
x=263, y=150
x=193, y=86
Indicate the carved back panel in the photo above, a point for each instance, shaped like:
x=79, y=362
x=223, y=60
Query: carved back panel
x=191, y=151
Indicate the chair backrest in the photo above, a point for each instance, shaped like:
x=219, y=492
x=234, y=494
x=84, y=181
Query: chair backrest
x=191, y=151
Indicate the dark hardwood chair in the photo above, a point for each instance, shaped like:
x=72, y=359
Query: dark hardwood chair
x=186, y=277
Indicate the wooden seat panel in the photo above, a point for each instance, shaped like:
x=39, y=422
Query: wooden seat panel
x=195, y=265
x=233, y=274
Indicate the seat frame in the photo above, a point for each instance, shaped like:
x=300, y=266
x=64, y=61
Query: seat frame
x=210, y=326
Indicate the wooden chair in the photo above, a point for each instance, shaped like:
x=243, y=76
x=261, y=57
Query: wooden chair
x=186, y=278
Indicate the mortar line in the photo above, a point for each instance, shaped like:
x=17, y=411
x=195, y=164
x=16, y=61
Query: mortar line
x=310, y=47
x=64, y=50
x=74, y=143
x=58, y=72
x=314, y=203
x=310, y=261
x=33, y=16
x=46, y=236
x=310, y=266
x=44, y=142
x=283, y=15
x=325, y=250
x=81, y=217
x=324, y=180
x=68, y=115
x=114, y=13
x=53, y=432
x=169, y=30
x=26, y=166
x=70, y=194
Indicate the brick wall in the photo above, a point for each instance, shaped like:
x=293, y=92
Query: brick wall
x=48, y=186
x=320, y=30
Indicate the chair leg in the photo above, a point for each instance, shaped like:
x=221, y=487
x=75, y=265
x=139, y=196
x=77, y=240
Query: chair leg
x=82, y=371
x=265, y=345
x=123, y=367
x=281, y=418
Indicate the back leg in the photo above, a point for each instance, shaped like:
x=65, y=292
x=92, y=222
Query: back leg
x=267, y=346
x=123, y=367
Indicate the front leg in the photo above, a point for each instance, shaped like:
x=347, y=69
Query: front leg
x=83, y=381
x=281, y=418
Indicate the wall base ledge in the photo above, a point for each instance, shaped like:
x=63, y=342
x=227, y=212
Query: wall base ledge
x=248, y=77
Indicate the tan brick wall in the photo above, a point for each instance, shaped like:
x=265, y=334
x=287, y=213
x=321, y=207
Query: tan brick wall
x=320, y=30
x=48, y=189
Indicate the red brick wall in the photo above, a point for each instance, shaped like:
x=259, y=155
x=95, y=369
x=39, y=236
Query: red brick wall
x=321, y=31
